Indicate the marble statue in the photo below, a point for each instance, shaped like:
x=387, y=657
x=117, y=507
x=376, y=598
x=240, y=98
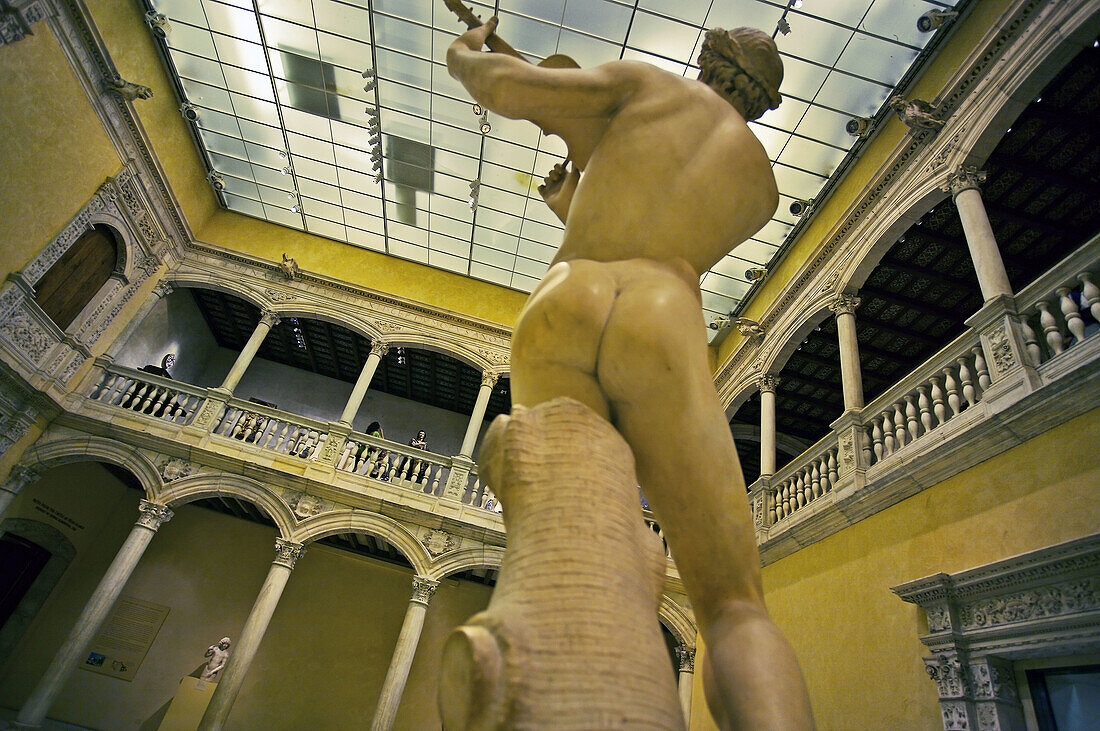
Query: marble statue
x=916, y=114
x=219, y=655
x=126, y=90
x=663, y=179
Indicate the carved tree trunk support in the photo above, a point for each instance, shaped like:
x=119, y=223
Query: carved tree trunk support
x=571, y=637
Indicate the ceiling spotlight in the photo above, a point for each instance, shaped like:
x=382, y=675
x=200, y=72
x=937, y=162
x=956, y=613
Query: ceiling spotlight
x=369, y=73
x=783, y=26
x=858, y=126
x=477, y=109
x=372, y=112
x=373, y=126
x=796, y=4
x=158, y=23
x=485, y=126
x=934, y=19
x=286, y=170
x=755, y=275
x=799, y=207
x=400, y=356
x=217, y=182
x=720, y=322
x=374, y=140
x=371, y=83
x=189, y=111
x=378, y=177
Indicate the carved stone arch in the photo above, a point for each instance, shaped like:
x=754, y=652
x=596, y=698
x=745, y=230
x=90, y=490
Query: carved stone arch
x=327, y=313
x=678, y=621
x=127, y=248
x=466, y=559
x=794, y=331
x=433, y=342
x=212, y=484
x=357, y=521
x=194, y=280
x=54, y=452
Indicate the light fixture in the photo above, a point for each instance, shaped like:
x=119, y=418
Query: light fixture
x=217, y=182
x=783, y=26
x=400, y=356
x=485, y=126
x=477, y=109
x=378, y=177
x=796, y=4
x=158, y=23
x=720, y=322
x=934, y=19
x=189, y=111
x=858, y=126
x=755, y=275
x=296, y=205
x=374, y=139
x=799, y=207
x=286, y=170
x=371, y=83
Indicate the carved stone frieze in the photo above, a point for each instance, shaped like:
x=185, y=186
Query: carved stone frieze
x=845, y=304
x=305, y=506
x=1000, y=349
x=176, y=469
x=1024, y=606
x=686, y=658
x=27, y=335
x=967, y=177
x=277, y=295
x=438, y=542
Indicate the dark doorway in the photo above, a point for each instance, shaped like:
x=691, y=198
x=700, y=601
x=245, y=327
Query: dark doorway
x=21, y=561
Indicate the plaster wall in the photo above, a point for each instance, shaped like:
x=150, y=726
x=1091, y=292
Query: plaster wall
x=857, y=642
x=56, y=152
x=174, y=325
x=324, y=656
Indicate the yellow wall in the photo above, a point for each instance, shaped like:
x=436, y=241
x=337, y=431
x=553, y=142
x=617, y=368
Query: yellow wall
x=365, y=268
x=55, y=152
x=857, y=642
x=324, y=656
x=983, y=15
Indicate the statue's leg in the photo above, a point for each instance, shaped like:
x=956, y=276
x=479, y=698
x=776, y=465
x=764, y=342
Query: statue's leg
x=652, y=365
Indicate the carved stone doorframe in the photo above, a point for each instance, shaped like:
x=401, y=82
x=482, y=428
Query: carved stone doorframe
x=1044, y=603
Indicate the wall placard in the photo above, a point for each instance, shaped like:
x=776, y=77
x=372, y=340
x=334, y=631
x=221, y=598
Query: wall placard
x=125, y=638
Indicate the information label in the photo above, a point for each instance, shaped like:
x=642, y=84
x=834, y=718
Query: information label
x=125, y=638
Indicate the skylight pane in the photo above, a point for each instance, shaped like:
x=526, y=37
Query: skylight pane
x=662, y=37
x=689, y=11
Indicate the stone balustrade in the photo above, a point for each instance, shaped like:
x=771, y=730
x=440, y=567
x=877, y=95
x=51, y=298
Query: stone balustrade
x=271, y=429
x=805, y=479
x=1063, y=312
x=946, y=385
x=145, y=393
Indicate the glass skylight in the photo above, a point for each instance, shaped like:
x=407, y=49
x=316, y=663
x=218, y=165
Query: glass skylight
x=285, y=121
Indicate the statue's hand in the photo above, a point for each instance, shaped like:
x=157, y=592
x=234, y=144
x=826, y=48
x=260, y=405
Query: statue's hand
x=475, y=38
x=558, y=188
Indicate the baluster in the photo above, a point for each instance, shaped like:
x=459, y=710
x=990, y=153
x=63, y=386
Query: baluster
x=108, y=394
x=981, y=367
x=102, y=385
x=1090, y=293
x=190, y=404
x=911, y=421
x=1072, y=314
x=152, y=395
x=887, y=433
x=867, y=453
x=138, y=397
x=876, y=439
x=925, y=407
x=276, y=442
x=1050, y=328
x=1031, y=340
x=781, y=501
x=435, y=481
x=775, y=507
x=952, y=388
x=161, y=405
x=815, y=481
x=967, y=381
x=802, y=493
x=832, y=468
x=342, y=463
x=126, y=392
x=318, y=445
x=938, y=407
x=391, y=466
x=900, y=432
x=173, y=406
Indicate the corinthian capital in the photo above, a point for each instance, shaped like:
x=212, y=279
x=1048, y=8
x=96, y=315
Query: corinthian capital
x=423, y=589
x=686, y=656
x=965, y=178
x=845, y=304
x=287, y=552
x=269, y=318
x=768, y=382
x=163, y=289
x=153, y=514
x=489, y=379
x=379, y=347
x=19, y=477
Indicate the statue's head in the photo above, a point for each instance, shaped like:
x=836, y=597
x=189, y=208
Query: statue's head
x=168, y=361
x=421, y=434
x=744, y=67
x=224, y=643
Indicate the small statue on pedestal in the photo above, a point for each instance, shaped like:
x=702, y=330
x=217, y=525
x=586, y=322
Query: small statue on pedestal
x=219, y=655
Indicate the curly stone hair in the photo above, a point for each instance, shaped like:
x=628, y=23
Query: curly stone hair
x=742, y=65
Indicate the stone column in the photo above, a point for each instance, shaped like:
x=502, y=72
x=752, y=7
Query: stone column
x=851, y=377
x=963, y=186
x=19, y=477
x=377, y=350
x=244, y=651
x=267, y=321
x=488, y=380
x=394, y=685
x=686, y=656
x=767, y=385
x=75, y=647
x=161, y=290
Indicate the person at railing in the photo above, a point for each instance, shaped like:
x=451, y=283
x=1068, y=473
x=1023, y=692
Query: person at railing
x=380, y=468
x=416, y=470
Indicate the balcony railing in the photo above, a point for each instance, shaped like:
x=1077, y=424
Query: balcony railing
x=252, y=426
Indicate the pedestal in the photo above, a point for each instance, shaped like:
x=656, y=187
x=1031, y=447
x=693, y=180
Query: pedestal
x=188, y=705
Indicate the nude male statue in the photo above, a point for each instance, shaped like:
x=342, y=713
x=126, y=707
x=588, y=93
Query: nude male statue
x=219, y=656
x=666, y=179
